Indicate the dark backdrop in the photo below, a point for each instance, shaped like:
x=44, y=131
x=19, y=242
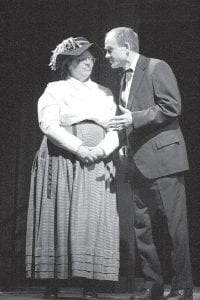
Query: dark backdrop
x=167, y=30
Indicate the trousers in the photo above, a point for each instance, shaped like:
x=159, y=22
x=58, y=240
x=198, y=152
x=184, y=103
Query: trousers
x=167, y=196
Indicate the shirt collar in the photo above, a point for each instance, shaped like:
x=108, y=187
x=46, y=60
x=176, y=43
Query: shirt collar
x=77, y=83
x=134, y=62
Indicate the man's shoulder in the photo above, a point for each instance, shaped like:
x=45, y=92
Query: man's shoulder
x=156, y=64
x=153, y=62
x=145, y=62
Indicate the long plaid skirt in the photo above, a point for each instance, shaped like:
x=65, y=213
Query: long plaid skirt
x=72, y=224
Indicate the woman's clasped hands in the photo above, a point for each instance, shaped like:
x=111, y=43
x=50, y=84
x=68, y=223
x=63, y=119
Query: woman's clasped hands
x=90, y=155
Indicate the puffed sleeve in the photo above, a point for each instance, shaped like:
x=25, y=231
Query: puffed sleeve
x=110, y=142
x=111, y=139
x=48, y=117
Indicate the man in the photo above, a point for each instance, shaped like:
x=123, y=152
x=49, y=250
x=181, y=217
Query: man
x=149, y=107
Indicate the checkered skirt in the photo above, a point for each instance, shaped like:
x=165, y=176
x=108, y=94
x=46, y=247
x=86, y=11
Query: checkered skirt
x=72, y=223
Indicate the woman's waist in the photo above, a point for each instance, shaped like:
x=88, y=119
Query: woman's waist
x=88, y=131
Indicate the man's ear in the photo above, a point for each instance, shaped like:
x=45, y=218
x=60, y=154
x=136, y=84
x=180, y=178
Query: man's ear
x=127, y=45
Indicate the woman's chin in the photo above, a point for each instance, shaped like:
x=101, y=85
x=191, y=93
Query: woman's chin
x=114, y=66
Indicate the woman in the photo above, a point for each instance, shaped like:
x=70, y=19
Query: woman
x=72, y=226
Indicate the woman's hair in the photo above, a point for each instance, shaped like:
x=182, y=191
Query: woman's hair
x=124, y=35
x=65, y=67
x=66, y=61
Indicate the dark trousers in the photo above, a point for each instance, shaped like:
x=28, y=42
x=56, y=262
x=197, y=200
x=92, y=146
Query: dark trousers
x=167, y=195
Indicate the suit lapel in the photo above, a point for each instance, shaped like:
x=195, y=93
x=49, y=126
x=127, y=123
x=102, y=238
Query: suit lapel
x=137, y=78
x=120, y=91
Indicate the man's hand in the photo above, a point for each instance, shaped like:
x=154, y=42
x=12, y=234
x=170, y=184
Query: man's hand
x=122, y=121
x=84, y=154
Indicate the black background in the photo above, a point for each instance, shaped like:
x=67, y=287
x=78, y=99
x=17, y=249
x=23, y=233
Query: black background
x=168, y=30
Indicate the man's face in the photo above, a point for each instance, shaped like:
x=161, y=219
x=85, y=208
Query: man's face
x=115, y=53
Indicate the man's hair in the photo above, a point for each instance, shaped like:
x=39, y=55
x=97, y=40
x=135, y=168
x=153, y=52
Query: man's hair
x=125, y=35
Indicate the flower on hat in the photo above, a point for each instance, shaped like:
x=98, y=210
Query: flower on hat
x=63, y=48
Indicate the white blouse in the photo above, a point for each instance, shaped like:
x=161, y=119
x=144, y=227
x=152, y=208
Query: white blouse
x=67, y=102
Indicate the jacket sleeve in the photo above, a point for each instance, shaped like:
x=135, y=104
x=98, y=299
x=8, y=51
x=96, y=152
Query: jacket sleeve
x=167, y=99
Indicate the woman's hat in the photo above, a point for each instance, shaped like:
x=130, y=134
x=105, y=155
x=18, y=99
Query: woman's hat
x=69, y=47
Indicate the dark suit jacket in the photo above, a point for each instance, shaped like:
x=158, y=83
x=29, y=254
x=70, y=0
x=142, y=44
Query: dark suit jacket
x=156, y=140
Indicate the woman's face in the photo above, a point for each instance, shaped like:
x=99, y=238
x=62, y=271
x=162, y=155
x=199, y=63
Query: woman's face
x=81, y=66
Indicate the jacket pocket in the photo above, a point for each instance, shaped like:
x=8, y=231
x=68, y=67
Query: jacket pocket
x=166, y=140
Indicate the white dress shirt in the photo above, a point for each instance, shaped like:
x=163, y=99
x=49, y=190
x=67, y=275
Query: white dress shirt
x=70, y=101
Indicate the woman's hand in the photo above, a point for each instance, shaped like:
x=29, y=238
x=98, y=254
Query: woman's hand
x=90, y=155
x=84, y=154
x=97, y=153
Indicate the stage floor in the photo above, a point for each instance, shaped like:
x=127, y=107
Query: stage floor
x=71, y=294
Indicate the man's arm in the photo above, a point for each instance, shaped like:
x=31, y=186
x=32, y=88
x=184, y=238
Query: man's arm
x=167, y=103
x=167, y=99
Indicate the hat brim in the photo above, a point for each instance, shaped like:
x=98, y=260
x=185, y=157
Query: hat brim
x=78, y=51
